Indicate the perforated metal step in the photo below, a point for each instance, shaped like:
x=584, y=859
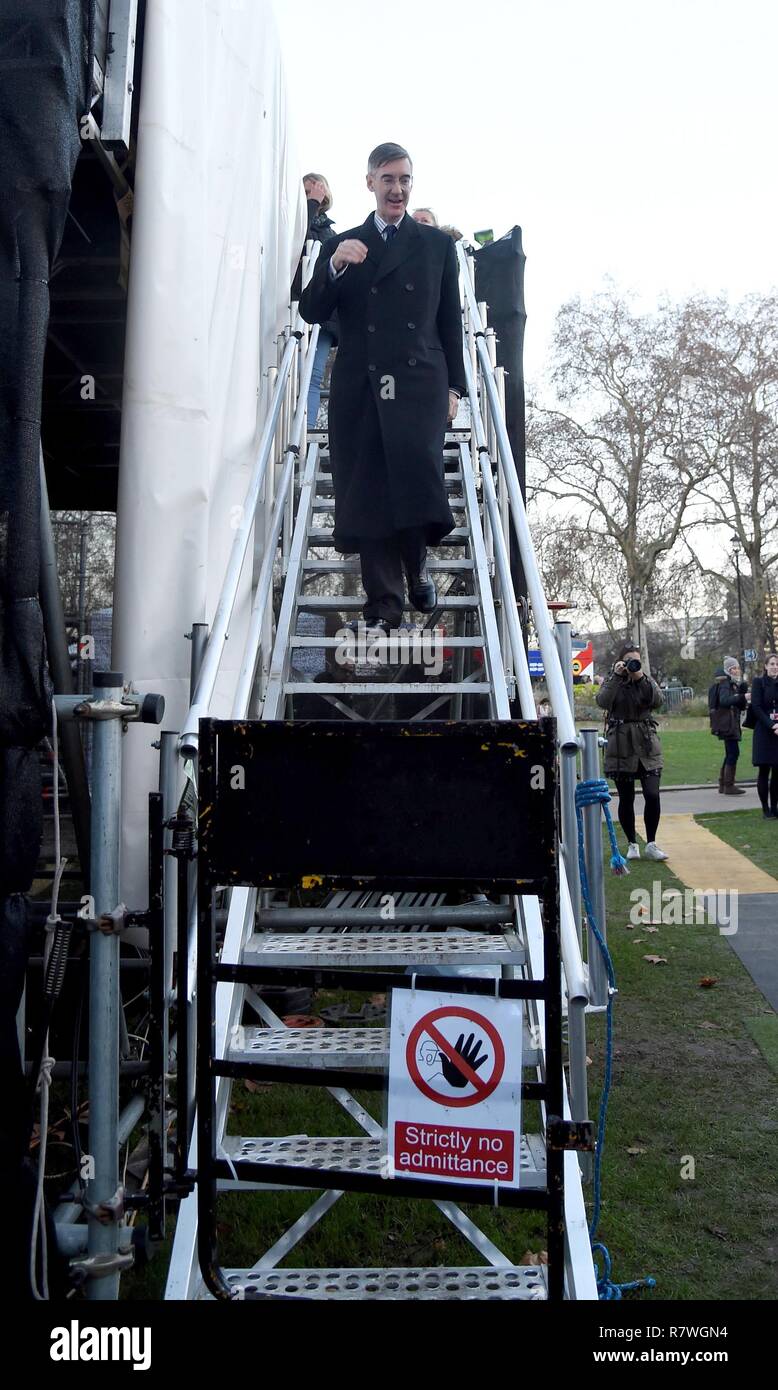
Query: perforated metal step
x=525, y=1283
x=364, y=1049
x=379, y=948
x=362, y=1156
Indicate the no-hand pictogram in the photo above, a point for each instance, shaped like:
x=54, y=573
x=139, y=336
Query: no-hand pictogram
x=470, y=1028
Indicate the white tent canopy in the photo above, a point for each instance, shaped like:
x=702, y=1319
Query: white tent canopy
x=218, y=227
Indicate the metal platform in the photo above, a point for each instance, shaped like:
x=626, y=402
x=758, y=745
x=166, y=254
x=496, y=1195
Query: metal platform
x=350, y=1157
x=351, y=1048
x=516, y=1284
x=382, y=949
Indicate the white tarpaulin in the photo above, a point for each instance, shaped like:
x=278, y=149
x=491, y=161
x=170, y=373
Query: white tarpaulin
x=218, y=227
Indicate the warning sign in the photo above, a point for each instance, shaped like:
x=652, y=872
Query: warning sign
x=455, y=1088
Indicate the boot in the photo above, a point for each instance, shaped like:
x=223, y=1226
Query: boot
x=721, y=777
x=729, y=782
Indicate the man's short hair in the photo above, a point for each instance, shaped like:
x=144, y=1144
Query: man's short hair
x=386, y=154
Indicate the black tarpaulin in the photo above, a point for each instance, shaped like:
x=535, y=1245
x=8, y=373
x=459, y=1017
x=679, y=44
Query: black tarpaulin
x=499, y=282
x=43, y=66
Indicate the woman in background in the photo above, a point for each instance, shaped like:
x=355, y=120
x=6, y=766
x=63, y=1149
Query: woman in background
x=764, y=703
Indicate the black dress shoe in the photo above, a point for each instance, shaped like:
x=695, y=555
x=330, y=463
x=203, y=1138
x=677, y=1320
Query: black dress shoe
x=373, y=627
x=422, y=594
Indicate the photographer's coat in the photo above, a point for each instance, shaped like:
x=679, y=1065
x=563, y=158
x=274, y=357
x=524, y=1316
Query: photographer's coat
x=631, y=732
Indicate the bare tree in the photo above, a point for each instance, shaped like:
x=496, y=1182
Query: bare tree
x=630, y=437
x=735, y=354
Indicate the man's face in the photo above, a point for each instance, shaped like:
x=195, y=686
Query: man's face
x=392, y=185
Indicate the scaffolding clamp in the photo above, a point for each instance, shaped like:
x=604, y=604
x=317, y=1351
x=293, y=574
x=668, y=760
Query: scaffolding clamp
x=108, y=1211
x=98, y=1266
x=577, y=1135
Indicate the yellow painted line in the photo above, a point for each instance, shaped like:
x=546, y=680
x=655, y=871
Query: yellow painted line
x=702, y=861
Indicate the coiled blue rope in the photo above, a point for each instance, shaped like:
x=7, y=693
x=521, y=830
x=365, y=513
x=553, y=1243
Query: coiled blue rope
x=592, y=793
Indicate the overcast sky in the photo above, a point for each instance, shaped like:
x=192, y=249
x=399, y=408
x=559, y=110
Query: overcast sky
x=626, y=138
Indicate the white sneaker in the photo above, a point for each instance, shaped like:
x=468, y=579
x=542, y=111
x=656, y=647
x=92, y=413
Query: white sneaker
x=633, y=852
x=653, y=851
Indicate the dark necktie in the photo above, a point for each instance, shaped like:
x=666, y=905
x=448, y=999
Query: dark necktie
x=391, y=232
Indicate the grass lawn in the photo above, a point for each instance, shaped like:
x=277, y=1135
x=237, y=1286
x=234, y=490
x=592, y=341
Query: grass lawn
x=749, y=833
x=692, y=1093
x=689, y=1082
x=693, y=755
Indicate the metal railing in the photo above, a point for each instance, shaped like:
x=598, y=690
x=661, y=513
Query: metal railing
x=288, y=400
x=505, y=508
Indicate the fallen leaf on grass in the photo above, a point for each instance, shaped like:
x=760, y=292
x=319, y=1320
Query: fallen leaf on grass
x=378, y=999
x=530, y=1258
x=745, y=846
x=636, y=1150
x=589, y=1062
x=656, y=960
x=706, y=1024
x=629, y=926
x=717, y=1232
x=637, y=940
x=651, y=930
x=707, y=981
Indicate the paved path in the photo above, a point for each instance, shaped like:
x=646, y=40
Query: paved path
x=706, y=863
x=699, y=801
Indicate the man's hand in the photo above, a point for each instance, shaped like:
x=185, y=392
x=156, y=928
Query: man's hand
x=349, y=252
x=314, y=188
x=619, y=668
x=453, y=406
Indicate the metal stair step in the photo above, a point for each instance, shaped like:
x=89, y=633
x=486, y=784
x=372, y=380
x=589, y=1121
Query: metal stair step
x=326, y=504
x=337, y=642
x=363, y=949
x=459, y=536
x=351, y=603
x=361, y=1156
x=430, y=687
x=518, y=1283
x=352, y=566
x=364, y=1049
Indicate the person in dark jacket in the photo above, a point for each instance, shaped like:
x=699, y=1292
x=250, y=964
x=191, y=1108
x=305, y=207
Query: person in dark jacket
x=633, y=748
x=727, y=698
x=396, y=381
x=320, y=228
x=764, y=703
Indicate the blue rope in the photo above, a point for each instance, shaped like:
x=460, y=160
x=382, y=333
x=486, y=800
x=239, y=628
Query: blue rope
x=589, y=794
x=592, y=793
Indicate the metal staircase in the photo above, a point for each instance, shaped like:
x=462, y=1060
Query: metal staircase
x=390, y=912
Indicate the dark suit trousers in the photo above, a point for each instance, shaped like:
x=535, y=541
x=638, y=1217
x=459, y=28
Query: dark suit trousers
x=382, y=559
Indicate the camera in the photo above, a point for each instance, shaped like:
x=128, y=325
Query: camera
x=633, y=664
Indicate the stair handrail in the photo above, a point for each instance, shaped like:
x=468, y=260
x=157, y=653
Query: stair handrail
x=199, y=707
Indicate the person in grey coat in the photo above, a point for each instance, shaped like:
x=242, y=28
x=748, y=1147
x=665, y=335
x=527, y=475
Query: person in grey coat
x=764, y=703
x=633, y=748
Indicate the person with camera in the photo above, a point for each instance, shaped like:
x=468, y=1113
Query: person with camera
x=764, y=703
x=727, y=698
x=633, y=749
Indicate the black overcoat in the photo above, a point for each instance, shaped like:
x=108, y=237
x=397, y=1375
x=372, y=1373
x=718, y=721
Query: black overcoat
x=764, y=699
x=400, y=350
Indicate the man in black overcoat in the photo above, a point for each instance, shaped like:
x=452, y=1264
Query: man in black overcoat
x=395, y=384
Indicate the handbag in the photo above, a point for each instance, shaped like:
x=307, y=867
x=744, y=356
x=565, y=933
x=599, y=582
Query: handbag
x=749, y=719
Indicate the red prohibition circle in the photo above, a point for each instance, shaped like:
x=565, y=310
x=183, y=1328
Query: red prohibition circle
x=484, y=1089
